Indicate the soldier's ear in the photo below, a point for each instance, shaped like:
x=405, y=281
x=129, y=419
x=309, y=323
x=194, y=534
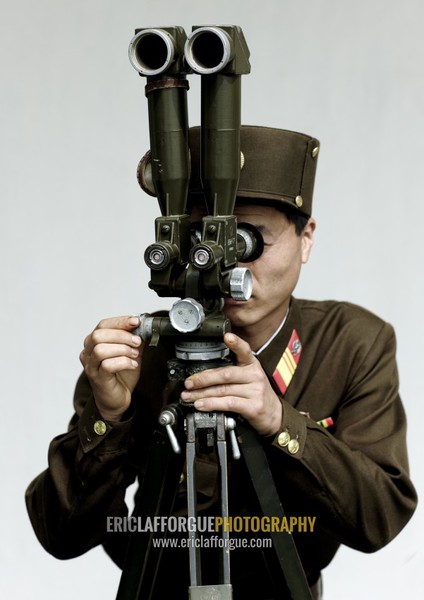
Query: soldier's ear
x=308, y=239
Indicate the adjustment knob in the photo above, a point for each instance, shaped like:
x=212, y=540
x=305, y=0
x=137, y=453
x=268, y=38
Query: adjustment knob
x=186, y=315
x=241, y=284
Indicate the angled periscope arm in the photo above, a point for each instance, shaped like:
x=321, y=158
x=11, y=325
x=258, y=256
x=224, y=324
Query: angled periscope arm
x=158, y=54
x=220, y=56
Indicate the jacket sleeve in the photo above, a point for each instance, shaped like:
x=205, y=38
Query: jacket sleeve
x=354, y=476
x=88, y=472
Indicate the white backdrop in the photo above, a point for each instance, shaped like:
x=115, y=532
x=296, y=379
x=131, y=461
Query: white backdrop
x=74, y=224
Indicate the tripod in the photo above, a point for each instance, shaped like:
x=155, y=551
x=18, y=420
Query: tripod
x=159, y=487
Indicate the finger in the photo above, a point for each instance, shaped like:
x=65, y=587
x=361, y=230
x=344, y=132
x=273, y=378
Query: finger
x=266, y=422
x=102, y=352
x=232, y=404
x=216, y=391
x=229, y=374
x=118, y=364
x=124, y=322
x=240, y=348
x=110, y=336
x=221, y=376
x=110, y=360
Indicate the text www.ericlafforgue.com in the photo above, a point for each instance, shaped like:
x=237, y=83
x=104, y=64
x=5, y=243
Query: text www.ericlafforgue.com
x=213, y=541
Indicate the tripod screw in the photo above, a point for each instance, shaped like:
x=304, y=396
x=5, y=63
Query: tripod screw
x=230, y=425
x=168, y=418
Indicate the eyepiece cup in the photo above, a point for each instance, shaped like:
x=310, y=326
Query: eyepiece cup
x=208, y=50
x=151, y=52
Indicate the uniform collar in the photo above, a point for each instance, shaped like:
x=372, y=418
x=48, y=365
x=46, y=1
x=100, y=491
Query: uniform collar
x=274, y=335
x=270, y=354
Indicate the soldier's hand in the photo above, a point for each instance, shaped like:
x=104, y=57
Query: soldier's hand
x=242, y=389
x=112, y=359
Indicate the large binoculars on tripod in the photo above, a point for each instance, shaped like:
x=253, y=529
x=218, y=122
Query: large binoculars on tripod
x=201, y=266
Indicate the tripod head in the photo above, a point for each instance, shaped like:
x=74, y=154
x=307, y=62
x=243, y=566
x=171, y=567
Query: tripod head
x=199, y=267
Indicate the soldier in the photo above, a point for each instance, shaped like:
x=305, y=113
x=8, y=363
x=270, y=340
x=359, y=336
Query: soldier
x=316, y=379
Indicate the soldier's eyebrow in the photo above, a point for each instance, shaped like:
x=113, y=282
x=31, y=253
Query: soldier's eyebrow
x=262, y=228
x=264, y=231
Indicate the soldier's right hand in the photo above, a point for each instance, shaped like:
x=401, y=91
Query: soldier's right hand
x=112, y=359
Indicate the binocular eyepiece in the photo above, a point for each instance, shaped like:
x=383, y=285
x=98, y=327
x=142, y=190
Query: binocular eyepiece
x=154, y=51
x=207, y=50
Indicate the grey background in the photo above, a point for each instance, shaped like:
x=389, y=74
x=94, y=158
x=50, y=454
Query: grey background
x=74, y=224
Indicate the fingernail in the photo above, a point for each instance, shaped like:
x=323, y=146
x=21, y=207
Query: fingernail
x=189, y=384
x=199, y=404
x=134, y=321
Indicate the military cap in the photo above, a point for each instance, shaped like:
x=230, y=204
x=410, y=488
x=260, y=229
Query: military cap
x=277, y=166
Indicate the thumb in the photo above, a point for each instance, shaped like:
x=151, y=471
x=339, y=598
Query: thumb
x=240, y=348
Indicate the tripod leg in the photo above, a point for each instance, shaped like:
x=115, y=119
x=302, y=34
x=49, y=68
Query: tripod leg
x=194, y=550
x=223, y=470
x=195, y=422
x=156, y=498
x=264, y=486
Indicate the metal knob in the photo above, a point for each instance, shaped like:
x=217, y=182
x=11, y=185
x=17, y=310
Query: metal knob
x=186, y=315
x=241, y=284
x=167, y=418
x=230, y=425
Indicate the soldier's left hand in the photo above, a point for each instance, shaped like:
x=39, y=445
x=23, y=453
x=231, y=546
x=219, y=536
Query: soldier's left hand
x=243, y=388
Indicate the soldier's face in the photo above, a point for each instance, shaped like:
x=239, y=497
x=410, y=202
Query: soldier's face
x=275, y=272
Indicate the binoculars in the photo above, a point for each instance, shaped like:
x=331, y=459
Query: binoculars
x=165, y=56
x=200, y=267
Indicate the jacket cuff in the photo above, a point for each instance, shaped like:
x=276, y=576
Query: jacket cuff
x=94, y=430
x=291, y=438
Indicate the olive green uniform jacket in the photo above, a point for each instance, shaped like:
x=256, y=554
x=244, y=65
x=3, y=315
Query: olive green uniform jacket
x=351, y=477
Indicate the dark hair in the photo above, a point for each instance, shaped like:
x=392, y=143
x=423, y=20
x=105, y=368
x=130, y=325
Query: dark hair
x=296, y=218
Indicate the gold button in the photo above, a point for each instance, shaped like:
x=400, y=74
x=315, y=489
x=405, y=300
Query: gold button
x=315, y=151
x=182, y=478
x=283, y=438
x=299, y=201
x=293, y=446
x=100, y=427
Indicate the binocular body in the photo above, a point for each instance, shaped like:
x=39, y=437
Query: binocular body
x=200, y=268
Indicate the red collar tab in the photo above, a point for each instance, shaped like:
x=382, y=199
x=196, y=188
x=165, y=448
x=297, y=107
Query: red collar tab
x=288, y=362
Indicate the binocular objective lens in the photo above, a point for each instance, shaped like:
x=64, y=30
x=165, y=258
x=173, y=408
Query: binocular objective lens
x=156, y=257
x=201, y=257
